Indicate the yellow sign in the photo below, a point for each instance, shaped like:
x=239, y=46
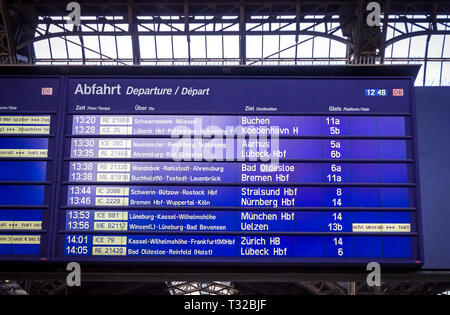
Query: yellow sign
x=24, y=153
x=109, y=251
x=20, y=225
x=381, y=227
x=20, y=239
x=109, y=240
x=111, y=215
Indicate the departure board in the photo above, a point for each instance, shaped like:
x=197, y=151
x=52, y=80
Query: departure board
x=213, y=169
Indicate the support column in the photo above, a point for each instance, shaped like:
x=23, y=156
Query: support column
x=132, y=25
x=242, y=37
x=7, y=52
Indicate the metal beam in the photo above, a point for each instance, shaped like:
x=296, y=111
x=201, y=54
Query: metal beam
x=7, y=51
x=197, y=7
x=202, y=33
x=239, y=18
x=416, y=276
x=414, y=34
x=133, y=29
x=242, y=36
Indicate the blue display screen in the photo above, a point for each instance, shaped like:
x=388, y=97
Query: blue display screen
x=211, y=169
x=27, y=160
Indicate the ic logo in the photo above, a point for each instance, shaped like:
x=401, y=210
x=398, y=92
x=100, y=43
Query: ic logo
x=397, y=92
x=47, y=91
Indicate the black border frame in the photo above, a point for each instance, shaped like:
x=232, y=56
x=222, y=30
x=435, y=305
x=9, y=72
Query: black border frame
x=375, y=71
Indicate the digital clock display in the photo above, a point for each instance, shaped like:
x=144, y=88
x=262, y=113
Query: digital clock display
x=376, y=92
